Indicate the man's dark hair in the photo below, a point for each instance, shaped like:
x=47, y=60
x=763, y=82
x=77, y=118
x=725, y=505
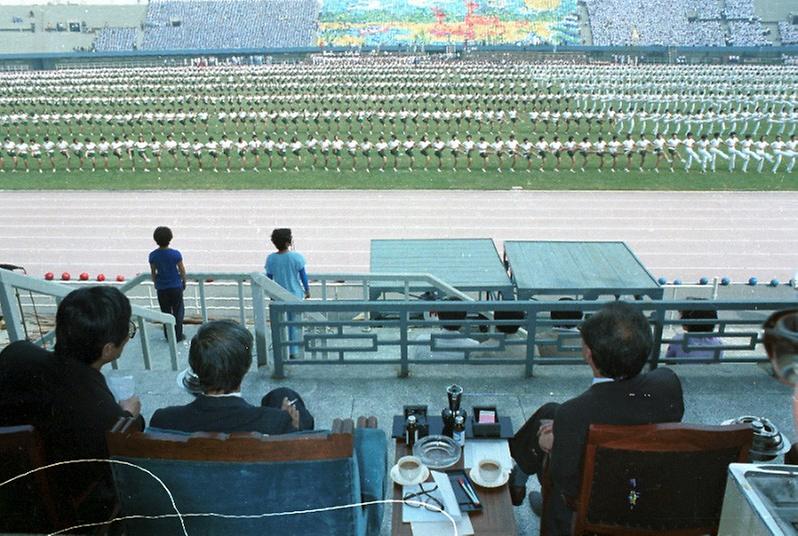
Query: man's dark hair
x=162, y=236
x=619, y=338
x=696, y=314
x=572, y=317
x=220, y=355
x=281, y=238
x=89, y=318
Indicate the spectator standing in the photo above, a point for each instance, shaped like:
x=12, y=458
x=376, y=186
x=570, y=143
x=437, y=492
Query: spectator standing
x=287, y=268
x=169, y=276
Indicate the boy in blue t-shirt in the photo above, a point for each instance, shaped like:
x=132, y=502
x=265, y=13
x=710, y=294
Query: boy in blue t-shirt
x=169, y=276
x=287, y=269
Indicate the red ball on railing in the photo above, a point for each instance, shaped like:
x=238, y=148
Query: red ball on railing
x=49, y=276
x=100, y=277
x=84, y=276
x=65, y=276
x=120, y=278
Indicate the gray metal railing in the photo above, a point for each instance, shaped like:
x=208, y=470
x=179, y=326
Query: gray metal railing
x=389, y=340
x=11, y=283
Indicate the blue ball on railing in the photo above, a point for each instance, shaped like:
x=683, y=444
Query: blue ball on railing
x=725, y=281
x=774, y=282
x=703, y=281
x=662, y=281
x=753, y=281
x=677, y=281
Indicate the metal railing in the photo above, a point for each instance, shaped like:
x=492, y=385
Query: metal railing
x=390, y=340
x=11, y=283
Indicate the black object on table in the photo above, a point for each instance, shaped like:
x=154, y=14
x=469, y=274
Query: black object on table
x=436, y=427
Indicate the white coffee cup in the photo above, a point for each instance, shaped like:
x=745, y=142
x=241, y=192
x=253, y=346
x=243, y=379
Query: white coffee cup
x=489, y=471
x=410, y=467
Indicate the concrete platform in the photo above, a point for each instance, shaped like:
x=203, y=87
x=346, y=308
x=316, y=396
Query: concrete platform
x=712, y=393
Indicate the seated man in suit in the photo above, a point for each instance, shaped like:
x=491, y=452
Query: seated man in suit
x=220, y=356
x=64, y=395
x=616, y=342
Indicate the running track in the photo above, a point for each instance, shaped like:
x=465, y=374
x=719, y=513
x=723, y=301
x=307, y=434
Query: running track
x=685, y=235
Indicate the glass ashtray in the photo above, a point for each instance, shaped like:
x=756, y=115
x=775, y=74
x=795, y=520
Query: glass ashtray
x=437, y=451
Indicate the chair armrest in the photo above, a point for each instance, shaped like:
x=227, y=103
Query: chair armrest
x=371, y=456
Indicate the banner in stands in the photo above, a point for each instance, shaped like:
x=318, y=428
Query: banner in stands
x=444, y=22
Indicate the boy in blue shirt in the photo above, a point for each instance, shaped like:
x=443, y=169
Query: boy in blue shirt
x=287, y=269
x=169, y=276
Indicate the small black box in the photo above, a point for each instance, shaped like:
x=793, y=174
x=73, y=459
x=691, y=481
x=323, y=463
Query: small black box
x=485, y=429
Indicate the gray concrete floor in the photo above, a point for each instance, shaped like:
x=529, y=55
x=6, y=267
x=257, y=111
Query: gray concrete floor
x=712, y=393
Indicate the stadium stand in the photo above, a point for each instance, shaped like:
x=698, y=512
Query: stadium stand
x=740, y=9
x=193, y=24
x=620, y=22
x=789, y=33
x=748, y=33
x=116, y=39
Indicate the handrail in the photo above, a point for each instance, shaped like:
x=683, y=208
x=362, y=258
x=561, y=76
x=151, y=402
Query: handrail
x=9, y=281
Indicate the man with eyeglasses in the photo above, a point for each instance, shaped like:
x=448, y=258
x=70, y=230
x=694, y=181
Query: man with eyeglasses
x=64, y=395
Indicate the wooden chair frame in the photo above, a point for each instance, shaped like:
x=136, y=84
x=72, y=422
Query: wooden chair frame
x=672, y=437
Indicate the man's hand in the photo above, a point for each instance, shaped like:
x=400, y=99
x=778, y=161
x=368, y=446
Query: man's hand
x=288, y=407
x=131, y=405
x=546, y=435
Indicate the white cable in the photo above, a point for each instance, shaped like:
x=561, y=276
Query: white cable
x=182, y=516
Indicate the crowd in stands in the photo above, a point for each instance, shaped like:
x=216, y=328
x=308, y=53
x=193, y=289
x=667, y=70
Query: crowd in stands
x=748, y=33
x=621, y=22
x=789, y=33
x=226, y=24
x=116, y=39
x=739, y=9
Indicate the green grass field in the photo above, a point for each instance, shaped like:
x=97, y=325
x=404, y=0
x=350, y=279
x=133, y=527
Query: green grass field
x=347, y=179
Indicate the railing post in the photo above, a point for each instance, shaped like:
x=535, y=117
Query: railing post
x=531, y=323
x=145, y=343
x=203, y=307
x=278, y=349
x=659, y=327
x=259, y=316
x=13, y=315
x=403, y=367
x=242, y=313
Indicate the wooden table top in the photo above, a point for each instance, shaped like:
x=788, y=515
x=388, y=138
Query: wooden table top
x=495, y=519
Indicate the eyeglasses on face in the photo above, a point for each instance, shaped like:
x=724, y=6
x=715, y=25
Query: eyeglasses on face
x=131, y=330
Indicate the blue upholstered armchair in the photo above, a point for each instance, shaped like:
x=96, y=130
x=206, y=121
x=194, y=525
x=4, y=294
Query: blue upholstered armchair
x=242, y=478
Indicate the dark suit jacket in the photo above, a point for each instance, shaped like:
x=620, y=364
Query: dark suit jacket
x=225, y=414
x=70, y=405
x=648, y=398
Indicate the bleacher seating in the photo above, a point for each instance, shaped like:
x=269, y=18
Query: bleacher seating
x=196, y=24
x=116, y=39
x=621, y=22
x=740, y=9
x=748, y=33
x=789, y=33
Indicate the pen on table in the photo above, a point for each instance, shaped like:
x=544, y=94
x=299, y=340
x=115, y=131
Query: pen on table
x=469, y=492
x=470, y=487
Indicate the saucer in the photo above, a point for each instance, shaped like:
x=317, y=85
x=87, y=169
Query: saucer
x=397, y=478
x=474, y=475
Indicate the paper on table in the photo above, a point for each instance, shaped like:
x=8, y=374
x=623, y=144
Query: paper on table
x=444, y=493
x=443, y=528
x=483, y=449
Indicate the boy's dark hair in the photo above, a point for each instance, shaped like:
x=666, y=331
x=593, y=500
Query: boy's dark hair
x=619, y=338
x=89, y=318
x=162, y=236
x=281, y=238
x=220, y=355
x=572, y=318
x=696, y=314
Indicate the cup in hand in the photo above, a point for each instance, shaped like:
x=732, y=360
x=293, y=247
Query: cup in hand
x=122, y=387
x=490, y=471
x=410, y=467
